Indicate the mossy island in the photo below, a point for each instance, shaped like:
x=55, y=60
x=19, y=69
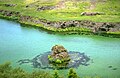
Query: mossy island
x=58, y=58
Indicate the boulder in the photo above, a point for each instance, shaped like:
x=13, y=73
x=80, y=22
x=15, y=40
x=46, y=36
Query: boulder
x=59, y=52
x=45, y=8
x=91, y=13
x=58, y=49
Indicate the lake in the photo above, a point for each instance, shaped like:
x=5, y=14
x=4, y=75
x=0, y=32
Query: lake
x=17, y=42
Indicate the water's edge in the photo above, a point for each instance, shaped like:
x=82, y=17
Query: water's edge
x=69, y=31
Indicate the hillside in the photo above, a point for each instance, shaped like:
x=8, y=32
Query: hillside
x=93, y=16
x=67, y=9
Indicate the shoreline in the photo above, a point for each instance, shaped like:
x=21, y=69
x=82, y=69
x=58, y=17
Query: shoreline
x=80, y=27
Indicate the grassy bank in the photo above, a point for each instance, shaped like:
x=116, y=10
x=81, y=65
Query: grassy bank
x=65, y=11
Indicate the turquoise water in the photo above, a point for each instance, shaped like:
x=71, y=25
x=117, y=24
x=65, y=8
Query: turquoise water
x=18, y=42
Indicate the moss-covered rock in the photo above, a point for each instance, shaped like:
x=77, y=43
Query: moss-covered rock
x=59, y=56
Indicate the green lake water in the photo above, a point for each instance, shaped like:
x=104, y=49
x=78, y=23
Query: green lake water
x=18, y=42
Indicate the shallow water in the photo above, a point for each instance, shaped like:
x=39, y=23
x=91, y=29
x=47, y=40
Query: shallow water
x=18, y=42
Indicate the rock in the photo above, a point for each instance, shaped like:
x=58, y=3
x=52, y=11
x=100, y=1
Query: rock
x=57, y=49
x=59, y=57
x=95, y=27
x=10, y=5
x=1, y=10
x=9, y=13
x=45, y=8
x=109, y=66
x=66, y=24
x=114, y=69
x=27, y=6
x=91, y=13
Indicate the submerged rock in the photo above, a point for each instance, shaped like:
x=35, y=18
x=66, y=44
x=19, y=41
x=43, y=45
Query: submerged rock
x=58, y=58
x=114, y=69
x=41, y=60
x=109, y=66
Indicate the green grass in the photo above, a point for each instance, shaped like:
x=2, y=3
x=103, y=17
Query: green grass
x=72, y=10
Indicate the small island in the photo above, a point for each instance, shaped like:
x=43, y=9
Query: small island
x=58, y=58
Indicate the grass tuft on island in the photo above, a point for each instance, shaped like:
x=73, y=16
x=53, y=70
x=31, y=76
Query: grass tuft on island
x=45, y=14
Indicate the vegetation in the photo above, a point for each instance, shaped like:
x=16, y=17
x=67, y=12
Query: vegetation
x=71, y=11
x=55, y=75
x=72, y=74
x=65, y=10
x=7, y=71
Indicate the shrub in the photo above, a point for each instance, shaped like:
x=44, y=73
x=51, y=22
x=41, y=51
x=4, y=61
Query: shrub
x=72, y=74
